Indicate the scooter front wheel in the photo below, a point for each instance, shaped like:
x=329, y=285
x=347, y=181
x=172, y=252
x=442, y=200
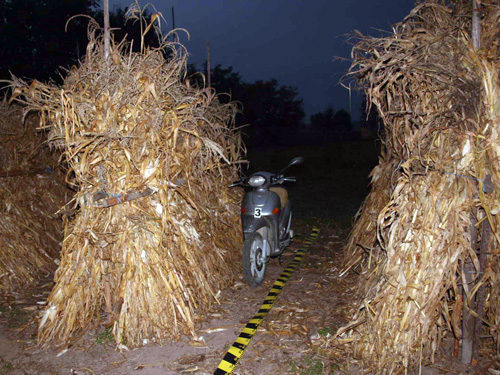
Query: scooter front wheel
x=254, y=259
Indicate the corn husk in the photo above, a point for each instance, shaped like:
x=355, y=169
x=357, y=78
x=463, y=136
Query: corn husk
x=438, y=98
x=150, y=266
x=30, y=228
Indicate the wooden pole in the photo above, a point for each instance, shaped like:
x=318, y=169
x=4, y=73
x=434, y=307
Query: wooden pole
x=209, y=71
x=476, y=25
x=350, y=100
x=469, y=324
x=173, y=19
x=467, y=317
x=481, y=292
x=106, y=29
x=484, y=249
x=174, y=36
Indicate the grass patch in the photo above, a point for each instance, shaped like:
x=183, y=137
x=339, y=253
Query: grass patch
x=11, y=311
x=106, y=336
x=331, y=184
x=325, y=332
x=309, y=366
x=15, y=312
x=6, y=367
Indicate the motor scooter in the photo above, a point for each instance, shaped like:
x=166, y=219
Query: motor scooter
x=266, y=217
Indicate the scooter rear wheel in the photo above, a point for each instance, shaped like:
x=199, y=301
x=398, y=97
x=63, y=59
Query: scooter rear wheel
x=254, y=260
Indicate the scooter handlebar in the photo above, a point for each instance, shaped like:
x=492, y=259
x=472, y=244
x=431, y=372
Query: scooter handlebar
x=281, y=179
x=241, y=182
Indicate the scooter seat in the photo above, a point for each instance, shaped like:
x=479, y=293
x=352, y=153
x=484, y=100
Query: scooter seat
x=282, y=193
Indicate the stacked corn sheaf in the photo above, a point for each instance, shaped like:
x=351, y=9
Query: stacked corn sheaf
x=30, y=196
x=438, y=97
x=156, y=235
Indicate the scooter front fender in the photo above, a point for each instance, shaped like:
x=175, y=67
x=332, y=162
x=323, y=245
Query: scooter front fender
x=252, y=224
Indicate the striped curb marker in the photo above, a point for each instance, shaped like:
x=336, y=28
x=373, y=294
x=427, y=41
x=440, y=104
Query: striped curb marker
x=235, y=352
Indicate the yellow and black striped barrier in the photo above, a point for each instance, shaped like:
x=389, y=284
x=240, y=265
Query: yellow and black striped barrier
x=235, y=352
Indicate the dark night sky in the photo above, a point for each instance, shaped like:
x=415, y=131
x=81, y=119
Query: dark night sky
x=291, y=40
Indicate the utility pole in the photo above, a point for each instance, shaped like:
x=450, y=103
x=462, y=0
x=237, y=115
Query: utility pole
x=209, y=70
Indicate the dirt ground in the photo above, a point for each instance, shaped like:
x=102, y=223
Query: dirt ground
x=314, y=304
x=293, y=338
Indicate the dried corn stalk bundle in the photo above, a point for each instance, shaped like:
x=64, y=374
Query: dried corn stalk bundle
x=438, y=98
x=362, y=242
x=489, y=160
x=22, y=147
x=30, y=230
x=133, y=131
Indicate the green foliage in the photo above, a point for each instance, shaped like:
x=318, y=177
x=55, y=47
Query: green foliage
x=14, y=314
x=335, y=174
x=227, y=81
x=332, y=123
x=33, y=37
x=342, y=119
x=323, y=120
x=14, y=311
x=325, y=331
x=5, y=366
x=309, y=366
x=370, y=117
x=272, y=110
x=106, y=336
x=38, y=37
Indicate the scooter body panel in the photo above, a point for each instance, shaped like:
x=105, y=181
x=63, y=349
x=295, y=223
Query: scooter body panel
x=266, y=223
x=259, y=205
x=263, y=199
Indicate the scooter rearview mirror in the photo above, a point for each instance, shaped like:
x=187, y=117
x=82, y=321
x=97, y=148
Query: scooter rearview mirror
x=295, y=161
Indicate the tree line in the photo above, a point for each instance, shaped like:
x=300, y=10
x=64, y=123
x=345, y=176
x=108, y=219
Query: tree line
x=274, y=111
x=38, y=42
x=39, y=38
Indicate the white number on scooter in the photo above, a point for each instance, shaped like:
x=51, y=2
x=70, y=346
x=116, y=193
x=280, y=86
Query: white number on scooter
x=257, y=213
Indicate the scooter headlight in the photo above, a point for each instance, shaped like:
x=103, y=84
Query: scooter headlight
x=256, y=181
